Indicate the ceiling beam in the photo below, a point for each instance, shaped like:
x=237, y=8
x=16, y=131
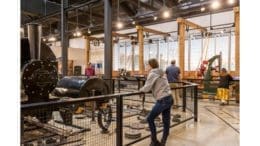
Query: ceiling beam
x=191, y=24
x=145, y=29
x=124, y=35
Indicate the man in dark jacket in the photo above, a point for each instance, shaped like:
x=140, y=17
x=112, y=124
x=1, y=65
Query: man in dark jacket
x=173, y=76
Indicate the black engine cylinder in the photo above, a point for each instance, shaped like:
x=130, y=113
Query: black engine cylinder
x=77, y=86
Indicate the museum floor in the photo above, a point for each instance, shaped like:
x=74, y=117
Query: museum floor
x=217, y=126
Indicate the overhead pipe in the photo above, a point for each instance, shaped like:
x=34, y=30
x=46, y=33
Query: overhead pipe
x=70, y=8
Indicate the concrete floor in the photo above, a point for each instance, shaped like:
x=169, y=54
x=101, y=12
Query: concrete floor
x=217, y=126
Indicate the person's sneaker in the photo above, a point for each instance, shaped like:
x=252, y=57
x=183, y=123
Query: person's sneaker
x=163, y=142
x=155, y=143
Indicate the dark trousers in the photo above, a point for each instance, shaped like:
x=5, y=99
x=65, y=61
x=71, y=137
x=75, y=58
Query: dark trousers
x=161, y=106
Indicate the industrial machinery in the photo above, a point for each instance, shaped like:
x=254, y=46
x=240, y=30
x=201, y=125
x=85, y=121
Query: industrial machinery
x=39, y=82
x=38, y=69
x=82, y=86
x=210, y=86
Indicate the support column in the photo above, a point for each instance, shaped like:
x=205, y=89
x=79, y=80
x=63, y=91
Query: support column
x=181, y=41
x=237, y=39
x=108, y=40
x=87, y=47
x=141, y=48
x=64, y=38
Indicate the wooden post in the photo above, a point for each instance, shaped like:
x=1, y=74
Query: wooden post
x=181, y=41
x=237, y=39
x=87, y=47
x=141, y=48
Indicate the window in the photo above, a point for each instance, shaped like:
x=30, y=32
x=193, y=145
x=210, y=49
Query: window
x=195, y=54
x=232, y=53
x=122, y=52
x=163, y=54
x=222, y=45
x=128, y=56
x=115, y=57
x=173, y=52
x=186, y=55
x=136, y=57
x=153, y=50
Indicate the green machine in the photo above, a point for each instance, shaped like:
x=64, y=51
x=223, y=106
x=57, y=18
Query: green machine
x=210, y=86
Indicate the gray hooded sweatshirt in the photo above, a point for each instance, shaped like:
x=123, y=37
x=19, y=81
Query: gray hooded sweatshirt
x=157, y=83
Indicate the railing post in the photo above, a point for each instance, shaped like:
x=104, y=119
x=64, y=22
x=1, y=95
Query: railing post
x=183, y=99
x=93, y=108
x=118, y=84
x=22, y=126
x=113, y=86
x=195, y=103
x=119, y=121
x=138, y=85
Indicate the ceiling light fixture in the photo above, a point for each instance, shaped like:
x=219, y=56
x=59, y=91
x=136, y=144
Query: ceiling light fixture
x=155, y=18
x=231, y=2
x=89, y=31
x=119, y=24
x=77, y=32
x=215, y=5
x=52, y=37
x=165, y=11
x=166, y=14
x=202, y=9
x=133, y=22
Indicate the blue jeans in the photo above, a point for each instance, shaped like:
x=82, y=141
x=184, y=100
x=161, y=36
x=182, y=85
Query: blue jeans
x=161, y=106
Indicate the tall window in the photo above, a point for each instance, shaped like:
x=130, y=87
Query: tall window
x=195, y=50
x=128, y=56
x=232, y=53
x=122, y=52
x=195, y=54
x=186, y=55
x=222, y=45
x=211, y=50
x=173, y=52
x=97, y=56
x=163, y=54
x=136, y=57
x=115, y=56
x=153, y=50
x=146, y=53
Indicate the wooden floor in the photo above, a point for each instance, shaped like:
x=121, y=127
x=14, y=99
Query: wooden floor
x=217, y=126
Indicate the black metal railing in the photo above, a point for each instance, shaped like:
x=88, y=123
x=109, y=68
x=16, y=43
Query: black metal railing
x=62, y=122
